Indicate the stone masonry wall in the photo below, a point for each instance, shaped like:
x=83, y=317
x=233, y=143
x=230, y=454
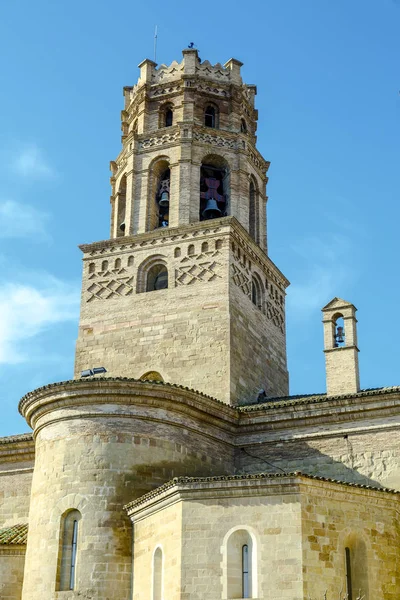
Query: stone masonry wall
x=334, y=518
x=16, y=467
x=11, y=573
x=163, y=530
x=97, y=463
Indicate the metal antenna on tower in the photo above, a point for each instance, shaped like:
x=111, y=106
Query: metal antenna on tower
x=155, y=44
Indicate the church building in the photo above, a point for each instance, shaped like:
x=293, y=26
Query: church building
x=175, y=465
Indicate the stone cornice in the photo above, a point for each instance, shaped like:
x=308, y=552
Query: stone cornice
x=153, y=401
x=224, y=225
x=198, y=488
x=17, y=448
x=292, y=414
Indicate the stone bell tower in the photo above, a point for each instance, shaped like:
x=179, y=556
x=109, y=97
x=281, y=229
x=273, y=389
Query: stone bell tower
x=184, y=289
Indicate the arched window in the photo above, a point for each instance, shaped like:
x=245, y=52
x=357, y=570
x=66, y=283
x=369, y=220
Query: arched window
x=210, y=116
x=190, y=250
x=130, y=261
x=241, y=566
x=204, y=247
x=243, y=126
x=168, y=117
x=121, y=207
x=356, y=568
x=177, y=252
x=117, y=264
x=218, y=244
x=69, y=550
x=92, y=267
x=257, y=292
x=254, y=212
x=104, y=265
x=159, y=197
x=214, y=187
x=157, y=278
x=157, y=583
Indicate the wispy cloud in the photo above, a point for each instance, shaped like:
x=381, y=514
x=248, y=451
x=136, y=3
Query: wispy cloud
x=30, y=162
x=324, y=273
x=28, y=310
x=18, y=220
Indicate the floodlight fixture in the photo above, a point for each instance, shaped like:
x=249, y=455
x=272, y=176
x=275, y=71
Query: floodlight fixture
x=99, y=370
x=87, y=373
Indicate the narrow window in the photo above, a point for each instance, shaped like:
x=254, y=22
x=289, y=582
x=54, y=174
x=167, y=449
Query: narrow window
x=177, y=252
x=348, y=575
x=104, y=265
x=118, y=263
x=92, y=267
x=157, y=574
x=204, y=247
x=68, y=551
x=190, y=250
x=243, y=126
x=130, y=261
x=157, y=278
x=257, y=292
x=74, y=546
x=209, y=117
x=168, y=117
x=245, y=571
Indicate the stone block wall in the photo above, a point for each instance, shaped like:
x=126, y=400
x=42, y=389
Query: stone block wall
x=11, y=573
x=16, y=468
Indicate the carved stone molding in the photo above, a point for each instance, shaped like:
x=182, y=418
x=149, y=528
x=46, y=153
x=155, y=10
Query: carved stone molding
x=214, y=140
x=159, y=140
x=197, y=268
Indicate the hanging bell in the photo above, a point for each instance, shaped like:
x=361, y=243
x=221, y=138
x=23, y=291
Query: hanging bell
x=122, y=226
x=340, y=335
x=164, y=199
x=211, y=210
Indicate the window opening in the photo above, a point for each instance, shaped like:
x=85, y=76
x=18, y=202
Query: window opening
x=157, y=278
x=256, y=293
x=157, y=574
x=243, y=126
x=209, y=117
x=245, y=571
x=73, y=555
x=348, y=575
x=168, y=117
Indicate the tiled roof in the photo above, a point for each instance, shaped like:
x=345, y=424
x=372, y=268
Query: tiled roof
x=274, y=402
x=15, y=535
x=188, y=480
x=12, y=439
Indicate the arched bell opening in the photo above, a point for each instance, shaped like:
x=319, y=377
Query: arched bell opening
x=214, y=188
x=121, y=207
x=211, y=116
x=159, y=197
x=338, y=331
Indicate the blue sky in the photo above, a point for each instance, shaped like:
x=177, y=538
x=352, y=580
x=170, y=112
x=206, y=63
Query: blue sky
x=329, y=106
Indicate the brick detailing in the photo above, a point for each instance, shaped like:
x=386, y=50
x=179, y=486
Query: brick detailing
x=240, y=279
x=159, y=140
x=214, y=140
x=197, y=268
x=110, y=287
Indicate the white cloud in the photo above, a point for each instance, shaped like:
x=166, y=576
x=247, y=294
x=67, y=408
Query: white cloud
x=30, y=162
x=29, y=310
x=20, y=220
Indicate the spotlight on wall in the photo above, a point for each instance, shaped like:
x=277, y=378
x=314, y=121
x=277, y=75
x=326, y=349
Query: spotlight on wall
x=98, y=370
x=94, y=371
x=87, y=373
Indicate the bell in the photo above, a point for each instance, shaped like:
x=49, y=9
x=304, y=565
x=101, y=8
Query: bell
x=164, y=200
x=122, y=226
x=211, y=210
x=340, y=335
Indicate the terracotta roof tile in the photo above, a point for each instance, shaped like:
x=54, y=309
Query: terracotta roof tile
x=15, y=535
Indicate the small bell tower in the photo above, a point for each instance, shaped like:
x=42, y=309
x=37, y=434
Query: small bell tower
x=184, y=286
x=340, y=347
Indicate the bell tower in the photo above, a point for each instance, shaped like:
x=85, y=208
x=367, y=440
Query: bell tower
x=184, y=287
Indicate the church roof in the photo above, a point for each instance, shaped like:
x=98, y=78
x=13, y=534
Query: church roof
x=256, y=476
x=14, y=536
x=273, y=402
